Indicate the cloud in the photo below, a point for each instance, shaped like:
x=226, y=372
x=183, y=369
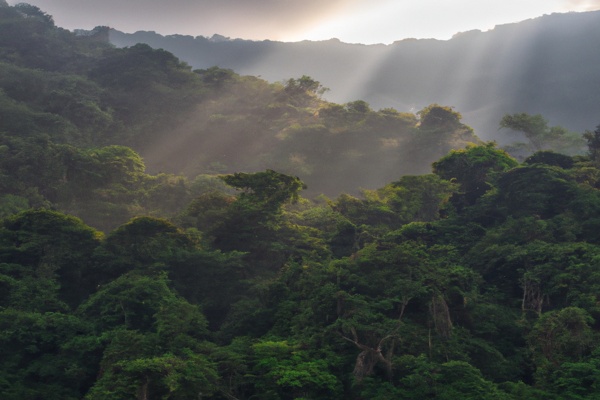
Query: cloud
x=582, y=5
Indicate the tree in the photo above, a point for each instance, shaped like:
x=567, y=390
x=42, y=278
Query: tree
x=140, y=66
x=540, y=135
x=144, y=244
x=211, y=279
x=304, y=85
x=30, y=167
x=577, y=380
x=11, y=204
x=535, y=189
x=252, y=222
x=460, y=380
x=216, y=76
x=473, y=169
x=550, y=158
x=153, y=340
x=167, y=376
x=143, y=365
x=51, y=249
x=286, y=371
x=436, y=117
x=104, y=186
x=535, y=127
x=438, y=131
x=303, y=92
x=206, y=211
x=32, y=11
x=593, y=143
x=268, y=188
x=560, y=336
x=419, y=198
x=46, y=355
x=358, y=107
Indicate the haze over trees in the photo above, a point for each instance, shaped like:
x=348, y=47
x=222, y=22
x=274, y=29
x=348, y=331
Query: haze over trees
x=159, y=237
x=540, y=66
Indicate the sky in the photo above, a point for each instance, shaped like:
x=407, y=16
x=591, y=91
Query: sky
x=351, y=21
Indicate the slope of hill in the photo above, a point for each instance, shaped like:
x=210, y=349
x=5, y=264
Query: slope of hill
x=204, y=121
x=70, y=103
x=479, y=280
x=546, y=65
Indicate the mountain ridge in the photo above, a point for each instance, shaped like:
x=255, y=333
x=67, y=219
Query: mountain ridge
x=484, y=74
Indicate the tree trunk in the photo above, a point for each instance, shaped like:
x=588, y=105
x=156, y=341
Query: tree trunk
x=441, y=316
x=143, y=391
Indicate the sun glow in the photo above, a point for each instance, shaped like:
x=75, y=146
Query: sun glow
x=581, y=5
x=351, y=21
x=386, y=21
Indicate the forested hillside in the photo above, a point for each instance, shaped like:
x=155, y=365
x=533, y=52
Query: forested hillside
x=461, y=273
x=82, y=120
x=545, y=65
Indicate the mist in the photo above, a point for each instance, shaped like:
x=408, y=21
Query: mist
x=540, y=66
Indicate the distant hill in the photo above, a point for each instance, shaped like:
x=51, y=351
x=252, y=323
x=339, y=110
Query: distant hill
x=68, y=98
x=64, y=95
x=547, y=65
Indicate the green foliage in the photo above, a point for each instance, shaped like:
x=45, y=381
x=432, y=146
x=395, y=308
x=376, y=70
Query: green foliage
x=49, y=355
x=270, y=188
x=253, y=222
x=577, y=380
x=30, y=168
x=535, y=190
x=145, y=243
x=424, y=379
x=11, y=204
x=206, y=211
x=550, y=158
x=473, y=169
x=138, y=66
x=437, y=117
x=130, y=301
x=34, y=12
x=358, y=107
x=304, y=85
x=477, y=281
x=285, y=372
x=133, y=366
x=50, y=249
x=534, y=127
x=561, y=336
x=404, y=309
x=458, y=379
x=593, y=143
x=216, y=76
x=419, y=198
x=98, y=96
x=540, y=135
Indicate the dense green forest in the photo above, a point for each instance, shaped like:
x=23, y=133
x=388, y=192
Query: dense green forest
x=469, y=273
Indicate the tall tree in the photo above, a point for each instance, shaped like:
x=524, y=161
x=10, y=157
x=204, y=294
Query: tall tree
x=252, y=221
x=540, y=135
x=50, y=248
x=593, y=143
x=473, y=169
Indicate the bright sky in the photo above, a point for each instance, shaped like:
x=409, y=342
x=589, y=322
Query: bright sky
x=351, y=21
